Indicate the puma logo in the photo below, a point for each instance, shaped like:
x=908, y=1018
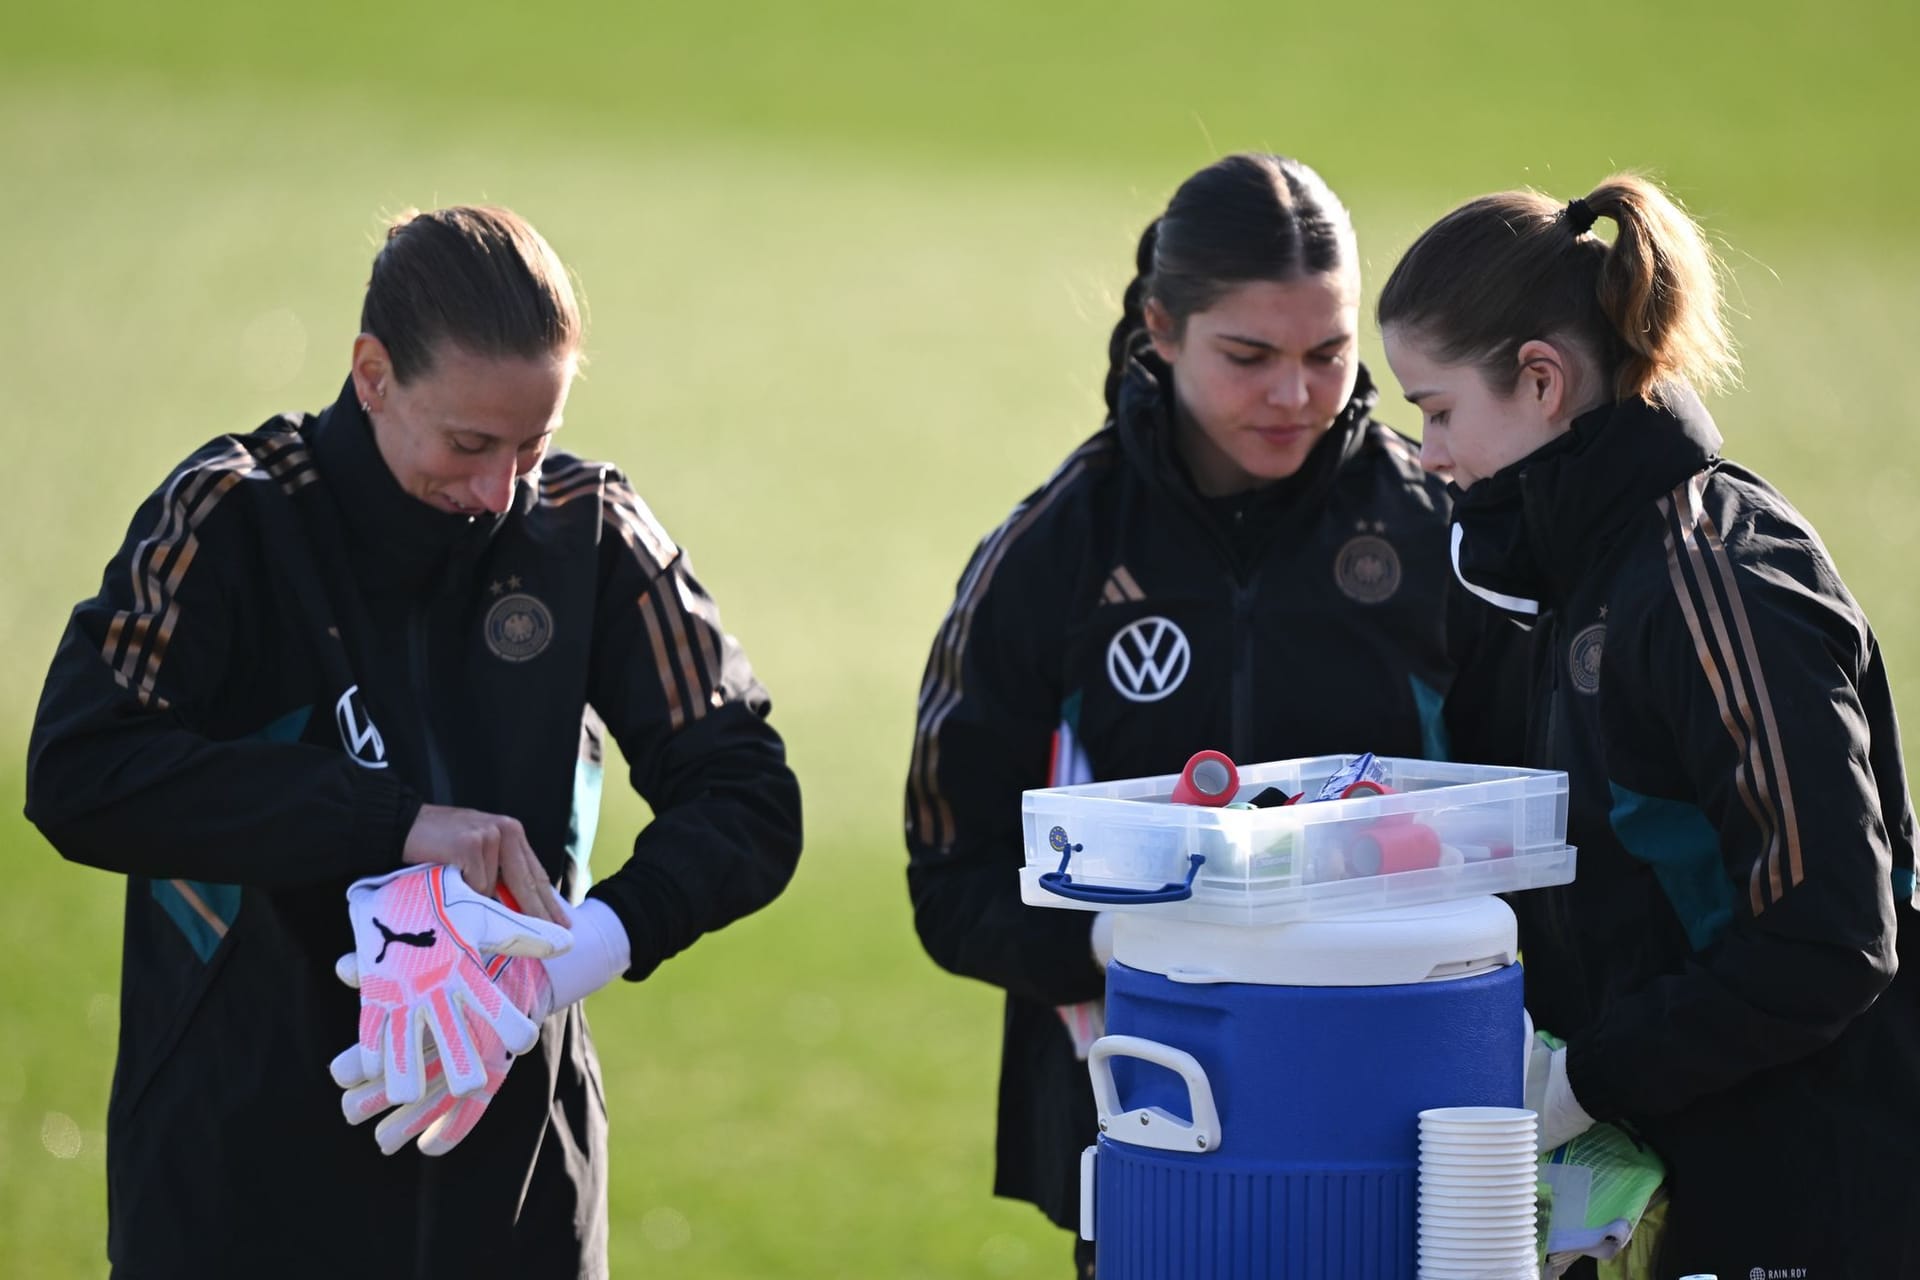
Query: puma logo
x=423, y=939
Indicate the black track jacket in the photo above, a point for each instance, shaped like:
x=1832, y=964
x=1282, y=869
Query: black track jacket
x=1304, y=619
x=286, y=658
x=1724, y=966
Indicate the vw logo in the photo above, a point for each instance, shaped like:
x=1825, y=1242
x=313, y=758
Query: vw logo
x=358, y=734
x=1148, y=659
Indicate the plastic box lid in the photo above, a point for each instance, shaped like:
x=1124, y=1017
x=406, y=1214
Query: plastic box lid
x=1397, y=946
x=1443, y=831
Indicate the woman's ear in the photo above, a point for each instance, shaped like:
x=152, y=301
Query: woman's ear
x=1160, y=328
x=372, y=371
x=1546, y=380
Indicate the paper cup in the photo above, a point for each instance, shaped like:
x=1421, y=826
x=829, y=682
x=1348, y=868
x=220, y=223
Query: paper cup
x=1451, y=1244
x=1480, y=1264
x=1477, y=1118
x=1517, y=1169
x=1503, y=1164
x=1475, y=1271
x=1439, y=1184
x=1495, y=1223
x=1478, y=1215
x=1523, y=1147
x=1479, y=1267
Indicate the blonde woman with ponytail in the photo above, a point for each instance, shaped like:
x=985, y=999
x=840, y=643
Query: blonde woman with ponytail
x=1725, y=971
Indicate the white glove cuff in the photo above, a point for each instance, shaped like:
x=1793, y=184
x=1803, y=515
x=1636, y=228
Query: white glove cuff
x=601, y=952
x=1562, y=1118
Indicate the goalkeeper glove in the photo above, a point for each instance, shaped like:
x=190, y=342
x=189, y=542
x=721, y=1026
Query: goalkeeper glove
x=422, y=941
x=536, y=988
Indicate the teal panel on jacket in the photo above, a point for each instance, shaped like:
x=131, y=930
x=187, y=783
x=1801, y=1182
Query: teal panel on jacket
x=287, y=728
x=189, y=903
x=1676, y=839
x=1434, y=741
x=195, y=906
x=584, y=822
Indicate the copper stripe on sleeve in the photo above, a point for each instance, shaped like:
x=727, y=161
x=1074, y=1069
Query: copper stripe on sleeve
x=1752, y=763
x=683, y=654
x=676, y=714
x=942, y=692
x=706, y=616
x=185, y=509
x=1790, y=826
x=1703, y=653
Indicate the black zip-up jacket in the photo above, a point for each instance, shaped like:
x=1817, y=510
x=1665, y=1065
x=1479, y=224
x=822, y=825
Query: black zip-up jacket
x=1724, y=965
x=286, y=658
x=1303, y=619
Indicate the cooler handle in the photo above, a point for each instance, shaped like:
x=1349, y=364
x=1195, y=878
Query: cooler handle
x=1059, y=882
x=1154, y=1126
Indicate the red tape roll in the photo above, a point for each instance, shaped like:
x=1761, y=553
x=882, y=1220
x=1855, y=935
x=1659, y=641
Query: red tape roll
x=1209, y=779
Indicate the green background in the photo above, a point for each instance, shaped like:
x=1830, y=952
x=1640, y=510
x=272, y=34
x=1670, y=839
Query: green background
x=851, y=270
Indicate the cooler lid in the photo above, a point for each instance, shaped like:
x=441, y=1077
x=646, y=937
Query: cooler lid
x=1393, y=947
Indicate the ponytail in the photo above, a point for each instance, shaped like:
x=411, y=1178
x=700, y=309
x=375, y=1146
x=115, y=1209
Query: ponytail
x=1660, y=292
x=1502, y=270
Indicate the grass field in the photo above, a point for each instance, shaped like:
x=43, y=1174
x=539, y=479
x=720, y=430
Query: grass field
x=851, y=270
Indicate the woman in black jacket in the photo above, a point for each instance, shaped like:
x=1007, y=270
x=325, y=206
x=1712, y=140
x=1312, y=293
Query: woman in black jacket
x=1241, y=558
x=388, y=634
x=1724, y=968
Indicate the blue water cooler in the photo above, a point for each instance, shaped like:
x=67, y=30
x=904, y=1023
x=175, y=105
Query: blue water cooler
x=1259, y=1087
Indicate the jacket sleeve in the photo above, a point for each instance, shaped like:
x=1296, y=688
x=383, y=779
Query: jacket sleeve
x=125, y=770
x=678, y=695
x=1767, y=832
x=988, y=706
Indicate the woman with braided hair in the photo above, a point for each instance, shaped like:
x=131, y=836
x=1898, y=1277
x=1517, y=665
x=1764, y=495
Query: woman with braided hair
x=1723, y=970
x=1240, y=558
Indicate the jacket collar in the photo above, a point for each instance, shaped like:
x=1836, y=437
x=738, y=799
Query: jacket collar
x=393, y=540
x=1526, y=535
x=1145, y=421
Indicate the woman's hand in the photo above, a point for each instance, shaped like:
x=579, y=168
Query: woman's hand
x=491, y=852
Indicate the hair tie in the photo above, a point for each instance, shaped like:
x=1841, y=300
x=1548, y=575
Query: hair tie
x=1579, y=216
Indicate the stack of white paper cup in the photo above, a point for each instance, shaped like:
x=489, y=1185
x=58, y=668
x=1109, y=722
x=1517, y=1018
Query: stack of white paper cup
x=1477, y=1194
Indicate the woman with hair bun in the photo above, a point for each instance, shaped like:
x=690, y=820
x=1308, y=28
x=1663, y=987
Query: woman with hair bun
x=383, y=642
x=1241, y=558
x=1726, y=969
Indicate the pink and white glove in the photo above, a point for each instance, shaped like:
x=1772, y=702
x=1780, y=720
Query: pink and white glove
x=438, y=1118
x=422, y=944
x=536, y=988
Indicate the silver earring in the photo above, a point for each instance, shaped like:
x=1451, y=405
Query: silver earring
x=365, y=407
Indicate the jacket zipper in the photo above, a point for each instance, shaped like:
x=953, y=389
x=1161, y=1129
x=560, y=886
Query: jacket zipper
x=1246, y=580
x=440, y=785
x=1241, y=730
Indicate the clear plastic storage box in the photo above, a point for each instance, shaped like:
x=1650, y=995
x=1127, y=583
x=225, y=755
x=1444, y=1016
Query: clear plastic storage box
x=1442, y=831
